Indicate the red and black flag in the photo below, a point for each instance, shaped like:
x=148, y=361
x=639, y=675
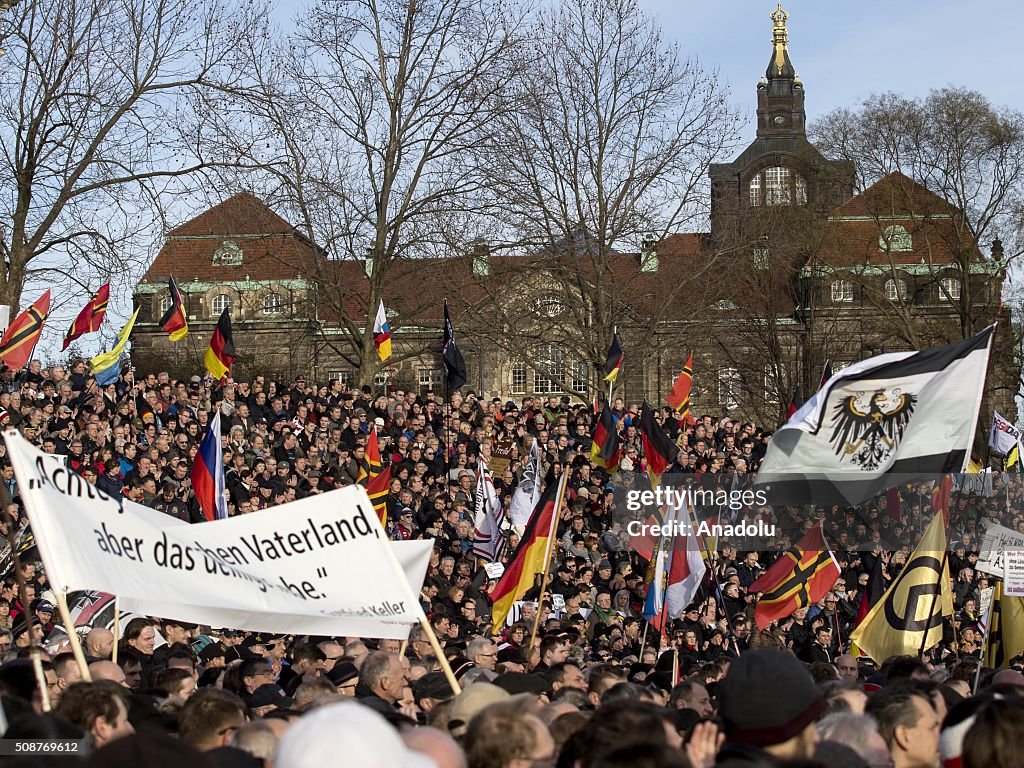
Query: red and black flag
x=174, y=320
x=795, y=403
x=826, y=374
x=221, y=353
x=454, y=362
x=613, y=363
x=378, y=489
x=21, y=336
x=804, y=574
x=679, y=397
x=872, y=591
x=659, y=450
x=604, y=450
x=90, y=318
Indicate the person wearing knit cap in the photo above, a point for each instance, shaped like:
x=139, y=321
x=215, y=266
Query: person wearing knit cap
x=768, y=705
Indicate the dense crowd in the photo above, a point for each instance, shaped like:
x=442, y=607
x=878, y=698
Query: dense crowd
x=599, y=687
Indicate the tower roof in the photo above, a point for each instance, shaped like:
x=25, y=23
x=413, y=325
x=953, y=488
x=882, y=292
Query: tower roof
x=780, y=67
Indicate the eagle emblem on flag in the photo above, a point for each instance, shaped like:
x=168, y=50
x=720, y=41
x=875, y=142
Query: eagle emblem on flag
x=869, y=425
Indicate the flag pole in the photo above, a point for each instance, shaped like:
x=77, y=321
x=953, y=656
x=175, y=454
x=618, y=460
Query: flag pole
x=935, y=599
x=439, y=652
x=547, y=557
x=116, y=630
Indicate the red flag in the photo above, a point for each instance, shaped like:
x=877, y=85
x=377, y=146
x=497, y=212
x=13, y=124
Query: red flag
x=21, y=336
x=679, y=397
x=803, y=575
x=872, y=592
x=659, y=450
x=91, y=316
x=893, y=505
x=940, y=497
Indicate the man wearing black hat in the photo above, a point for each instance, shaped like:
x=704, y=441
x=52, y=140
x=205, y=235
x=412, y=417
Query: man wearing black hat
x=768, y=706
x=430, y=690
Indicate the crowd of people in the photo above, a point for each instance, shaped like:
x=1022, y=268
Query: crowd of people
x=576, y=676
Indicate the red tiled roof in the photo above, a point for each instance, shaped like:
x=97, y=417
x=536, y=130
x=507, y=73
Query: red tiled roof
x=895, y=193
x=271, y=248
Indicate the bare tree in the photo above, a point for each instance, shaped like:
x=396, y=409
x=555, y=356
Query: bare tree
x=603, y=151
x=92, y=97
x=970, y=156
x=363, y=120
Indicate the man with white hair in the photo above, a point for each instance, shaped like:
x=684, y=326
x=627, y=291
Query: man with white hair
x=483, y=652
x=435, y=744
x=859, y=732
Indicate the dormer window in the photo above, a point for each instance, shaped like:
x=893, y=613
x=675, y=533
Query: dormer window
x=778, y=185
x=228, y=254
x=895, y=239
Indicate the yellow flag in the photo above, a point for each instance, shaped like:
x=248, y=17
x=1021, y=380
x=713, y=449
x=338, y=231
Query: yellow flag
x=973, y=467
x=913, y=605
x=1005, y=629
x=104, y=360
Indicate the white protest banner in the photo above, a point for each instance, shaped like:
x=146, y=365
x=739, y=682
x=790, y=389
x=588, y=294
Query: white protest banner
x=994, y=544
x=322, y=565
x=1013, y=573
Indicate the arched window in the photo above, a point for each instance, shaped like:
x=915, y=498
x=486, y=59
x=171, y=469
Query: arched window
x=949, y=289
x=896, y=289
x=549, y=369
x=778, y=185
x=895, y=239
x=273, y=304
x=842, y=291
x=548, y=306
x=221, y=302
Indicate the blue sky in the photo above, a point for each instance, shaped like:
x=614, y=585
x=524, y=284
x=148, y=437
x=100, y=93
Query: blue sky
x=845, y=51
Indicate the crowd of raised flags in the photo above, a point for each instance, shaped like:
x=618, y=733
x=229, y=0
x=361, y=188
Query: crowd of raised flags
x=872, y=431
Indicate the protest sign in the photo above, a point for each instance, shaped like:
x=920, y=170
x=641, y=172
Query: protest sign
x=1013, y=573
x=501, y=456
x=322, y=565
x=994, y=544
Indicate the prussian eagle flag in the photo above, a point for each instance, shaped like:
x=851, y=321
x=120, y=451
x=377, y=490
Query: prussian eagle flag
x=382, y=334
x=892, y=419
x=208, y=474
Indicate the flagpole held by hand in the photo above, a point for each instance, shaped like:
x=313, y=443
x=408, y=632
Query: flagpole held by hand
x=555, y=514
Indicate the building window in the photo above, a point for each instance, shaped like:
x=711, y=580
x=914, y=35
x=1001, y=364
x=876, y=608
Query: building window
x=949, y=289
x=517, y=385
x=384, y=377
x=548, y=369
x=761, y=258
x=896, y=289
x=273, y=304
x=778, y=185
x=430, y=380
x=221, y=302
x=729, y=387
x=548, y=306
x=895, y=239
x=771, y=385
x=345, y=377
x=580, y=376
x=842, y=291
x=228, y=254
x=165, y=304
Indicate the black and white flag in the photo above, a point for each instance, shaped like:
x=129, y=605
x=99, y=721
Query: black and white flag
x=882, y=422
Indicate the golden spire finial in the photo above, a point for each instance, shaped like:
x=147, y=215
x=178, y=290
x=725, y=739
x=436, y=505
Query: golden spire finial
x=780, y=37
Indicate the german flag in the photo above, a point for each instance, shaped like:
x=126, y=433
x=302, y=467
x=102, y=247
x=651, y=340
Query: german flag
x=940, y=497
x=221, y=353
x=795, y=404
x=19, y=340
x=374, y=465
x=377, y=489
x=801, y=577
x=613, y=363
x=175, y=321
x=604, y=450
x=679, y=397
x=144, y=410
x=659, y=450
x=530, y=557
x=91, y=316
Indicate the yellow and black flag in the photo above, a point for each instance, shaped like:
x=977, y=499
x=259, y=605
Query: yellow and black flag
x=613, y=363
x=1004, y=625
x=804, y=574
x=908, y=618
x=174, y=320
x=221, y=354
x=604, y=449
